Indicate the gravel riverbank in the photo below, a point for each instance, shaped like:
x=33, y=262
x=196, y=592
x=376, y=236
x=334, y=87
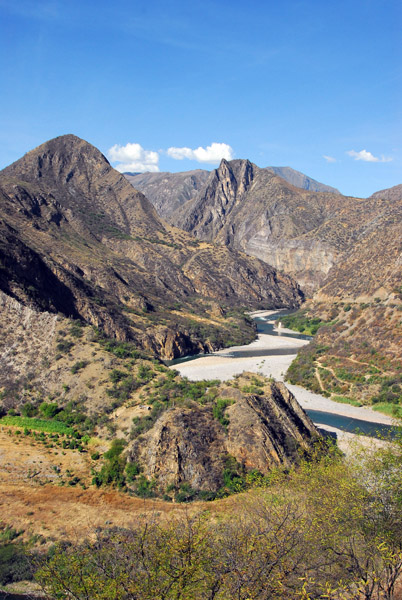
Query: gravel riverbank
x=223, y=366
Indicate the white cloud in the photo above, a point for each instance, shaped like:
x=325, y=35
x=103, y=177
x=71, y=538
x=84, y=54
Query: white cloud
x=211, y=154
x=329, y=159
x=367, y=156
x=133, y=157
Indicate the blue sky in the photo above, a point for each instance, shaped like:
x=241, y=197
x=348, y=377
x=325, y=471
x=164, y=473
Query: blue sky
x=170, y=85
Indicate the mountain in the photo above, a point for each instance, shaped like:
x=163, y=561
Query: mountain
x=94, y=289
x=169, y=191
x=256, y=211
x=303, y=233
x=300, y=180
x=393, y=193
x=357, y=352
x=76, y=238
x=346, y=254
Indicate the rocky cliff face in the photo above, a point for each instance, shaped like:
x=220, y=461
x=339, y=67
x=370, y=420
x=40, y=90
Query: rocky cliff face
x=78, y=239
x=190, y=446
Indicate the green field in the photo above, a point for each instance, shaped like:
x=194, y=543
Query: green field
x=37, y=424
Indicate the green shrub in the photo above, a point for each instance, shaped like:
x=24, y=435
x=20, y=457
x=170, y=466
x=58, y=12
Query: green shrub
x=81, y=364
x=49, y=409
x=29, y=410
x=132, y=470
x=145, y=488
x=218, y=410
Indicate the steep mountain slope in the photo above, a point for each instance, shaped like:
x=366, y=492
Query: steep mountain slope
x=300, y=180
x=393, y=193
x=301, y=232
x=357, y=353
x=256, y=211
x=169, y=191
x=62, y=376
x=78, y=239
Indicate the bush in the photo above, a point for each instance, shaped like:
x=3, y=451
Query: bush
x=145, y=488
x=78, y=366
x=132, y=470
x=218, y=410
x=29, y=410
x=49, y=409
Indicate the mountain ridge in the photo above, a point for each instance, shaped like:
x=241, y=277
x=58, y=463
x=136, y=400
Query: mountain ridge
x=68, y=213
x=169, y=191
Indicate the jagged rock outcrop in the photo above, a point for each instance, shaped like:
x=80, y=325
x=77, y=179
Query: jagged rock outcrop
x=188, y=445
x=170, y=344
x=75, y=237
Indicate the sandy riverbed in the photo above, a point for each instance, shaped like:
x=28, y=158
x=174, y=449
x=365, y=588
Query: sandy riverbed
x=221, y=366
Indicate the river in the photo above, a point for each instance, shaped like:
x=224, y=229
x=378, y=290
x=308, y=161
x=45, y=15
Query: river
x=270, y=355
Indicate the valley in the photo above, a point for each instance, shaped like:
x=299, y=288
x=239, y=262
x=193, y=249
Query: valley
x=108, y=424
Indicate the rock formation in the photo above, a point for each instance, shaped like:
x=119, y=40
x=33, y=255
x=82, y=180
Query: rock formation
x=258, y=212
x=188, y=445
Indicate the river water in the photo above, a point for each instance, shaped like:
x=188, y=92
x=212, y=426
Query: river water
x=270, y=355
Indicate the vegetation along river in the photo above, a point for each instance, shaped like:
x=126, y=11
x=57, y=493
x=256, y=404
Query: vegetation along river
x=270, y=355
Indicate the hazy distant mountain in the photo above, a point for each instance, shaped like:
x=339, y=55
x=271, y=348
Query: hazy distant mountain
x=169, y=191
x=302, y=181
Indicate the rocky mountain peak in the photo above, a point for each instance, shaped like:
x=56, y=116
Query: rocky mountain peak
x=225, y=188
x=237, y=175
x=65, y=163
x=64, y=159
x=60, y=159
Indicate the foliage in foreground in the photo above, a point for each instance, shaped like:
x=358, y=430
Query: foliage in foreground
x=326, y=530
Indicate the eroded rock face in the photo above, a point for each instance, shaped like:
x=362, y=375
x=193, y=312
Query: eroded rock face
x=188, y=445
x=168, y=191
x=171, y=344
x=266, y=431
